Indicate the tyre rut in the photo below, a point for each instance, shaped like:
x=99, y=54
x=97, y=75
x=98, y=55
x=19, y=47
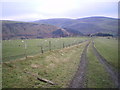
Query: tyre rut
x=111, y=70
x=79, y=79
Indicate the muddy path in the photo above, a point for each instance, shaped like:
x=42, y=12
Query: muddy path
x=79, y=79
x=111, y=70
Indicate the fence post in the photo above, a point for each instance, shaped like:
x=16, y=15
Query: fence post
x=49, y=45
x=69, y=45
x=25, y=43
x=63, y=45
x=42, y=50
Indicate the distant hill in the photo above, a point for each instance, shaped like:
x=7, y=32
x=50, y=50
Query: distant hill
x=21, y=30
x=55, y=21
x=59, y=27
x=87, y=25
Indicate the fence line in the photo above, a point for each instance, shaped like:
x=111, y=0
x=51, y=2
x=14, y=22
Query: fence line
x=41, y=50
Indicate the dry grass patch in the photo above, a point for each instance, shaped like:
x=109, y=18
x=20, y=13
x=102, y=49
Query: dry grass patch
x=57, y=66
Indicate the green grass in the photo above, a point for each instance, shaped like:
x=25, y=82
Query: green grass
x=108, y=48
x=15, y=49
x=0, y=76
x=58, y=66
x=97, y=77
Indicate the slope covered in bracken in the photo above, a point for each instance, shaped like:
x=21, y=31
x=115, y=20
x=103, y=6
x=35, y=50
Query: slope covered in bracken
x=14, y=30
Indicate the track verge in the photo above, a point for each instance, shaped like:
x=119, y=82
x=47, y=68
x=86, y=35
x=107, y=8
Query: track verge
x=79, y=79
x=111, y=70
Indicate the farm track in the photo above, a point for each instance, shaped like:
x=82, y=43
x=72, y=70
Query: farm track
x=79, y=79
x=111, y=70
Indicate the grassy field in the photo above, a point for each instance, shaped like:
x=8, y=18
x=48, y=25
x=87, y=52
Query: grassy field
x=97, y=77
x=0, y=76
x=15, y=49
x=108, y=48
x=58, y=66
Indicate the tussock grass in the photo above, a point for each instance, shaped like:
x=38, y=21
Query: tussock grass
x=58, y=66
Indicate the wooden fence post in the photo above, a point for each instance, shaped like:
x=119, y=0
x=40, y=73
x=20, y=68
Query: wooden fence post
x=25, y=43
x=42, y=50
x=63, y=45
x=49, y=45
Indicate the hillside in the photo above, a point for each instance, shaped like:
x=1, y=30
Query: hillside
x=87, y=25
x=59, y=27
x=55, y=21
x=21, y=30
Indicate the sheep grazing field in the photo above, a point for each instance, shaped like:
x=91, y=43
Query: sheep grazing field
x=60, y=63
x=15, y=49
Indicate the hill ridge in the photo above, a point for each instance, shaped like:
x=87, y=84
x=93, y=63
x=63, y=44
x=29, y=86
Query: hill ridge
x=59, y=27
x=86, y=25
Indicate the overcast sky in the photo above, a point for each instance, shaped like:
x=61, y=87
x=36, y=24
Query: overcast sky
x=31, y=10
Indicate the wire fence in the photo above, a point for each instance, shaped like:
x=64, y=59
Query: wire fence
x=16, y=50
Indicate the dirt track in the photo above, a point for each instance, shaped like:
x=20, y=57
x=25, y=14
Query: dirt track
x=112, y=72
x=79, y=80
